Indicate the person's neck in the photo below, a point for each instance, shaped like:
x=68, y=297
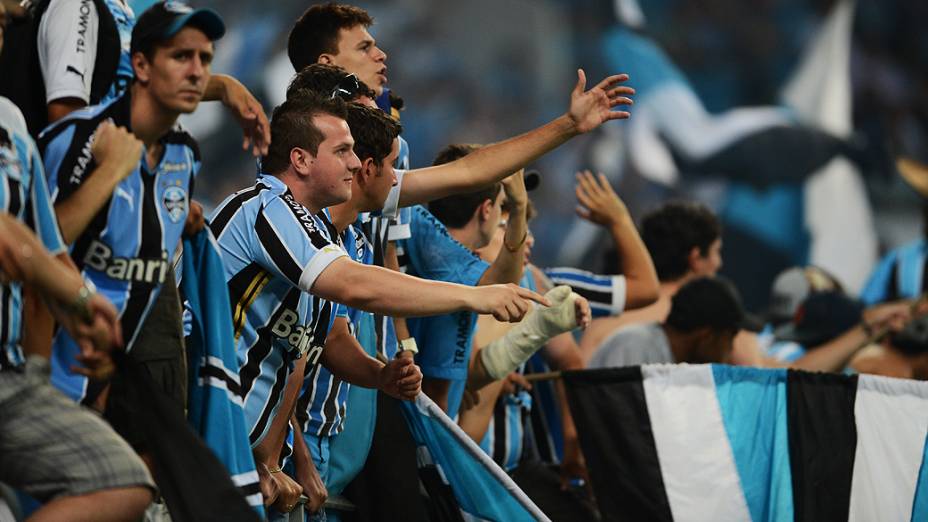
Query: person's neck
x=301, y=192
x=344, y=214
x=677, y=342
x=670, y=288
x=468, y=235
x=150, y=122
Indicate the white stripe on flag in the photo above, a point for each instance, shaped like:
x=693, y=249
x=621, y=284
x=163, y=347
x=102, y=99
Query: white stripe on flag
x=892, y=421
x=696, y=459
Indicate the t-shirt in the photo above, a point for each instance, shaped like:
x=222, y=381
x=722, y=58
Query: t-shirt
x=67, y=43
x=273, y=249
x=632, y=346
x=24, y=196
x=324, y=397
x=128, y=246
x=444, y=341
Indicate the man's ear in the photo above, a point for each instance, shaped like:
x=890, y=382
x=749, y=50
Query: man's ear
x=694, y=258
x=368, y=171
x=483, y=211
x=301, y=161
x=140, y=67
x=326, y=59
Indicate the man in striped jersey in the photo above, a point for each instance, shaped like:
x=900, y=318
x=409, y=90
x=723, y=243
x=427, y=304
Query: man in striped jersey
x=49, y=447
x=127, y=227
x=284, y=266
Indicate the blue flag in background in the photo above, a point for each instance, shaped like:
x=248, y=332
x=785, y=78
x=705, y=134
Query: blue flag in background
x=481, y=487
x=214, y=401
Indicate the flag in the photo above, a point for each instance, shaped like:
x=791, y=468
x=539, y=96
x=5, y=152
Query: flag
x=481, y=487
x=214, y=392
x=715, y=442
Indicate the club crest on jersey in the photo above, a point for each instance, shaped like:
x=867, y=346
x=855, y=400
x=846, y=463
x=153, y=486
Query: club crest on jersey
x=175, y=201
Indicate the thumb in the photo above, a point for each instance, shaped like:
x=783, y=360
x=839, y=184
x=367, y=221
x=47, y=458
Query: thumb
x=581, y=83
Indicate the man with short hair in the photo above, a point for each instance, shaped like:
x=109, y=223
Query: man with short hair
x=284, y=266
x=684, y=240
x=127, y=218
x=705, y=316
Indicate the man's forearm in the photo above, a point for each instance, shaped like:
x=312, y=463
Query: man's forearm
x=636, y=265
x=486, y=165
x=834, y=355
x=77, y=211
x=348, y=361
x=507, y=268
x=216, y=87
x=268, y=450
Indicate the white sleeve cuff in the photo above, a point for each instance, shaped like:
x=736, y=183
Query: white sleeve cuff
x=391, y=205
x=619, y=292
x=318, y=263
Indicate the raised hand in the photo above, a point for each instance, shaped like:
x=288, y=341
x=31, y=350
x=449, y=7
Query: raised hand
x=590, y=109
x=249, y=113
x=116, y=147
x=401, y=379
x=600, y=204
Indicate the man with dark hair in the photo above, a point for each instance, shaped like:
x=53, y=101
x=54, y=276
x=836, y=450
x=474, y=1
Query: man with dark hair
x=336, y=34
x=126, y=218
x=684, y=240
x=331, y=80
x=284, y=267
x=704, y=318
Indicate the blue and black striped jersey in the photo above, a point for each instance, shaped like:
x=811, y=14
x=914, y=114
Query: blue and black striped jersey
x=606, y=293
x=24, y=196
x=127, y=248
x=273, y=249
x=323, y=400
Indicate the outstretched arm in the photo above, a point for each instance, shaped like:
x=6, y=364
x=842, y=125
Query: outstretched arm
x=376, y=289
x=246, y=109
x=588, y=110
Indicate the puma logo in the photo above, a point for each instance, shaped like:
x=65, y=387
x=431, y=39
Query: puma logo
x=75, y=71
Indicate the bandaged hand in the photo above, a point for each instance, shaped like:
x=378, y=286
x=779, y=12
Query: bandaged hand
x=505, y=354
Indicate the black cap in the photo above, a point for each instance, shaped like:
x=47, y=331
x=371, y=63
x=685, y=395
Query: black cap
x=163, y=20
x=820, y=318
x=711, y=302
x=532, y=179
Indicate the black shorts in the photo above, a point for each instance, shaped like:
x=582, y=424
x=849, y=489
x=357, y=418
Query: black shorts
x=159, y=348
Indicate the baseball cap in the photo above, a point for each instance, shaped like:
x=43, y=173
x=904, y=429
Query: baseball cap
x=792, y=286
x=820, y=318
x=711, y=302
x=163, y=20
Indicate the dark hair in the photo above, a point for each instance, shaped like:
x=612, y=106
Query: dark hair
x=292, y=126
x=671, y=232
x=316, y=32
x=706, y=302
x=322, y=79
x=455, y=211
x=373, y=132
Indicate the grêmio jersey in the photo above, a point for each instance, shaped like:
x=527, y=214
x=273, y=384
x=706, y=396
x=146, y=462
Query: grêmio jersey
x=126, y=249
x=273, y=249
x=322, y=404
x=24, y=196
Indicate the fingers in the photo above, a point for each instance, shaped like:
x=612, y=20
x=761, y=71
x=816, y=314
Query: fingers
x=617, y=115
x=533, y=296
x=584, y=313
x=581, y=83
x=609, y=80
x=520, y=379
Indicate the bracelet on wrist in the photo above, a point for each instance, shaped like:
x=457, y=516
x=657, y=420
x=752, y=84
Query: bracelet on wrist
x=278, y=470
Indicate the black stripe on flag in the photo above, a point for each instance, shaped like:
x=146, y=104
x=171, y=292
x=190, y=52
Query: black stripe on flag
x=822, y=443
x=611, y=414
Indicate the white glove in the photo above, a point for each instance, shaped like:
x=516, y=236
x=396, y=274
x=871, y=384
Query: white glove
x=504, y=355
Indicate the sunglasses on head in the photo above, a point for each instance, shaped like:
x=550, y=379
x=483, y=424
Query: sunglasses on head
x=348, y=88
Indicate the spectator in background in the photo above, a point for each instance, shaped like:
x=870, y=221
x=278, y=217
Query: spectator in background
x=904, y=354
x=705, y=315
x=684, y=241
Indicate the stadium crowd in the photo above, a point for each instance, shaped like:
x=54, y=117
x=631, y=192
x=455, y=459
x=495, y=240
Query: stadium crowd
x=354, y=281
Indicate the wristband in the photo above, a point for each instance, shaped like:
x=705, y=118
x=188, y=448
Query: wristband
x=409, y=345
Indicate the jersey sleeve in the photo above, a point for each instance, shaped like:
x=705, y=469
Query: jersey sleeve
x=40, y=213
x=67, y=44
x=877, y=287
x=606, y=293
x=433, y=254
x=291, y=244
